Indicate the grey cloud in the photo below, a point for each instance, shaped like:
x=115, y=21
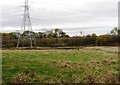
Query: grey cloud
x=90, y=13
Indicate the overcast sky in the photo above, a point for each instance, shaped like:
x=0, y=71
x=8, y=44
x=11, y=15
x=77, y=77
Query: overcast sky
x=73, y=16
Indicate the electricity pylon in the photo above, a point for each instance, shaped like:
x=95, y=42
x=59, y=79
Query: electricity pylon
x=26, y=34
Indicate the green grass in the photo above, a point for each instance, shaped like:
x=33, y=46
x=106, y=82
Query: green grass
x=91, y=64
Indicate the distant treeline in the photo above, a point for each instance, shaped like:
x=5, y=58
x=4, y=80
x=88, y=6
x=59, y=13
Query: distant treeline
x=60, y=39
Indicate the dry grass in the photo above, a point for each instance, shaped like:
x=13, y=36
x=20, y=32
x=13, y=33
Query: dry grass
x=87, y=65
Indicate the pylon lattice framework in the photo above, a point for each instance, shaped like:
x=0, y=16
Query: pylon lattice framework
x=26, y=27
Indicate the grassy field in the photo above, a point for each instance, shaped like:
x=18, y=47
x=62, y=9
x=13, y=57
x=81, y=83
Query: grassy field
x=86, y=65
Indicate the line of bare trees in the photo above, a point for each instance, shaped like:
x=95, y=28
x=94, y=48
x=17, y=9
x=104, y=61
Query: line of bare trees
x=58, y=38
